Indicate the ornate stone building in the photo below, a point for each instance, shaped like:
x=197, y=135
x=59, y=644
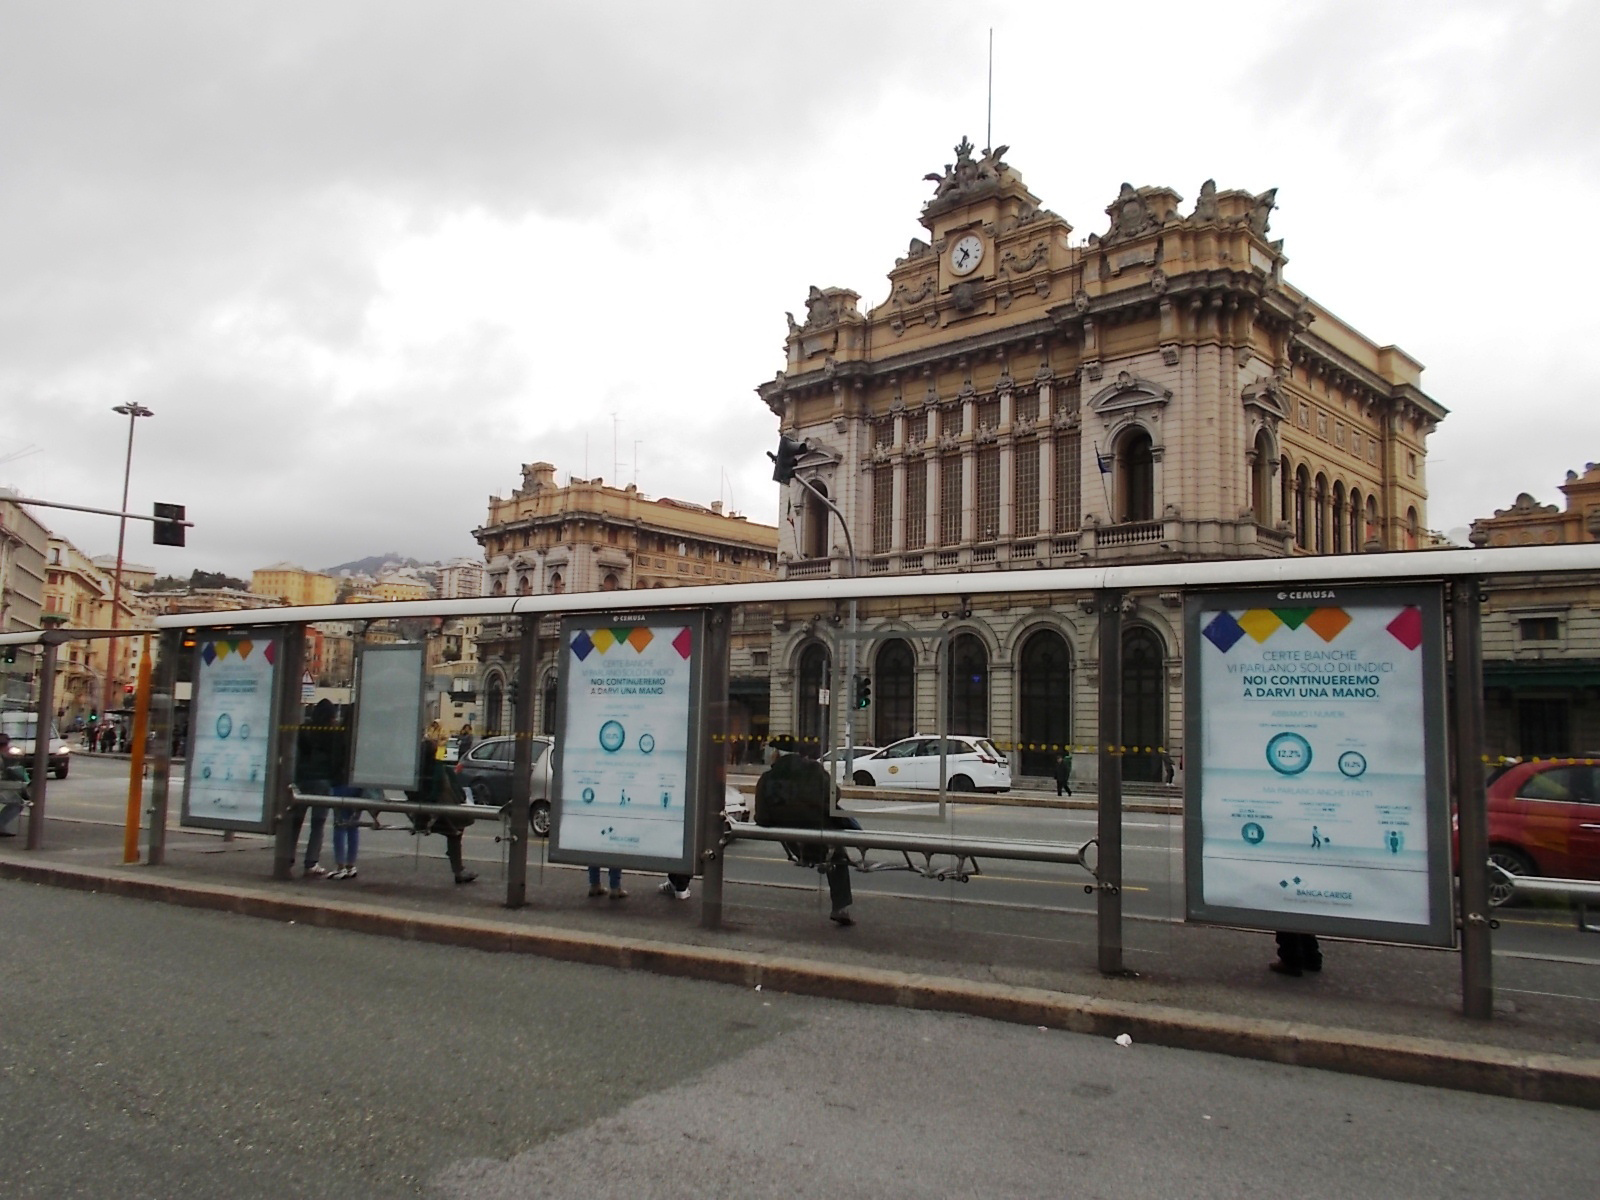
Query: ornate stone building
x=1022, y=399
x=1541, y=638
x=589, y=537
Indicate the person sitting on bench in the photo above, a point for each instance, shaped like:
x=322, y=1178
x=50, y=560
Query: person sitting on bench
x=439, y=786
x=795, y=792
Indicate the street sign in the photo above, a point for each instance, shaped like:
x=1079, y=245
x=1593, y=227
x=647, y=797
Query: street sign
x=308, y=688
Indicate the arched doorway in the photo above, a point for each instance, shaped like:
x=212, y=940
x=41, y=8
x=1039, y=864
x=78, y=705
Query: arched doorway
x=1136, y=480
x=494, y=705
x=809, y=716
x=894, y=690
x=1044, y=696
x=1144, y=704
x=968, y=689
x=548, y=724
x=1261, y=481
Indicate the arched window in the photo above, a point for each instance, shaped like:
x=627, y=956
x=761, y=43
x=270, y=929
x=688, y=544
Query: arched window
x=968, y=692
x=558, y=585
x=524, y=587
x=1261, y=480
x=1321, y=512
x=1340, y=524
x=1302, y=489
x=494, y=706
x=610, y=583
x=894, y=690
x=1044, y=697
x=1144, y=705
x=816, y=523
x=499, y=588
x=547, y=723
x=1413, y=530
x=1358, y=524
x=1136, y=480
x=1374, y=529
x=811, y=679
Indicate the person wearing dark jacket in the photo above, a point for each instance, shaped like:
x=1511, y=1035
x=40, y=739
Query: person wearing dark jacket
x=795, y=792
x=319, y=767
x=1064, y=772
x=437, y=786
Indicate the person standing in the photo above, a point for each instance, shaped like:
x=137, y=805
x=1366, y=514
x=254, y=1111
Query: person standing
x=1064, y=771
x=797, y=792
x=11, y=772
x=437, y=786
x=464, y=741
x=1297, y=954
x=618, y=892
x=346, y=836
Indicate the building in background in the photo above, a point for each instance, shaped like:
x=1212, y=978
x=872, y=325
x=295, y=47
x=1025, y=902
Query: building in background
x=24, y=545
x=293, y=585
x=135, y=576
x=461, y=578
x=1541, y=636
x=588, y=536
x=1023, y=399
x=401, y=585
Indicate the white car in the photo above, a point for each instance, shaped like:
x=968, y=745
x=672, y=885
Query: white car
x=21, y=727
x=972, y=764
x=834, y=759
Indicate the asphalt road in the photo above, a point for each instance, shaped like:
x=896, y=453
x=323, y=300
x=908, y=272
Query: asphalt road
x=1008, y=892
x=148, y=1051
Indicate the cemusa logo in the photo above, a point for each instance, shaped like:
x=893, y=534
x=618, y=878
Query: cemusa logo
x=1308, y=595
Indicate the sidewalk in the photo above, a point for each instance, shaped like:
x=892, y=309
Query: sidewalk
x=1386, y=1011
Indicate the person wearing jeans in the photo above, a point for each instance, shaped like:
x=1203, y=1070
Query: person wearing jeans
x=615, y=874
x=346, y=835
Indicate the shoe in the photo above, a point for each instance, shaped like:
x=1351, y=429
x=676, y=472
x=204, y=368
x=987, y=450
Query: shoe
x=466, y=876
x=596, y=890
x=316, y=871
x=619, y=893
x=1312, y=965
x=1280, y=967
x=666, y=889
x=840, y=917
x=350, y=872
x=341, y=873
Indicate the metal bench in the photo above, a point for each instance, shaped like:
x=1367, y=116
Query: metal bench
x=1581, y=892
x=963, y=851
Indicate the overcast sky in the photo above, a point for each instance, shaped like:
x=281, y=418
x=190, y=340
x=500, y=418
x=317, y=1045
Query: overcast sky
x=365, y=259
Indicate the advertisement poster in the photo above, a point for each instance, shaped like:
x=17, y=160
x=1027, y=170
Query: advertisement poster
x=231, y=723
x=625, y=758
x=1316, y=783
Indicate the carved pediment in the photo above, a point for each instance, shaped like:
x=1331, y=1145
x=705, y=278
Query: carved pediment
x=1129, y=391
x=1267, y=396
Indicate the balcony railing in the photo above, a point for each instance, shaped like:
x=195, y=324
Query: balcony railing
x=1134, y=533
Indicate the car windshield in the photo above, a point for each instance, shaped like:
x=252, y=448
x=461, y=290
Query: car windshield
x=22, y=725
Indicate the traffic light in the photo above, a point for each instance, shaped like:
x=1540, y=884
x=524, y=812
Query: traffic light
x=786, y=459
x=169, y=528
x=94, y=715
x=863, y=691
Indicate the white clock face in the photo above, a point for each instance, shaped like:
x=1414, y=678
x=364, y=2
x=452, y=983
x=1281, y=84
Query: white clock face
x=966, y=254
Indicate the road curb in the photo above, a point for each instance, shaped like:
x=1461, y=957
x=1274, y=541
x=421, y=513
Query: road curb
x=1549, y=1078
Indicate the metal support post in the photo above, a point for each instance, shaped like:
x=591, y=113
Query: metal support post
x=522, y=763
x=141, y=735
x=43, y=722
x=1466, y=643
x=290, y=715
x=1108, y=866
x=161, y=713
x=713, y=764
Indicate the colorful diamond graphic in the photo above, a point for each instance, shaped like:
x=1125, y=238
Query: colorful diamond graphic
x=639, y=638
x=1407, y=628
x=620, y=636
x=1260, y=623
x=683, y=643
x=1328, y=623
x=270, y=654
x=602, y=640
x=243, y=649
x=209, y=653
x=582, y=647
x=224, y=649
x=1223, y=631
x=1293, y=617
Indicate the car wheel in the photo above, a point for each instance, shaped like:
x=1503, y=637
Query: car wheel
x=61, y=771
x=865, y=779
x=961, y=783
x=539, y=818
x=1512, y=862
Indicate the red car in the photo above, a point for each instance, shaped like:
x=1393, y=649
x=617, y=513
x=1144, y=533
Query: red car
x=1544, y=819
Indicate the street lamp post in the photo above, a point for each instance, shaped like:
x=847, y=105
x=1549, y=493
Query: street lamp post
x=133, y=411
